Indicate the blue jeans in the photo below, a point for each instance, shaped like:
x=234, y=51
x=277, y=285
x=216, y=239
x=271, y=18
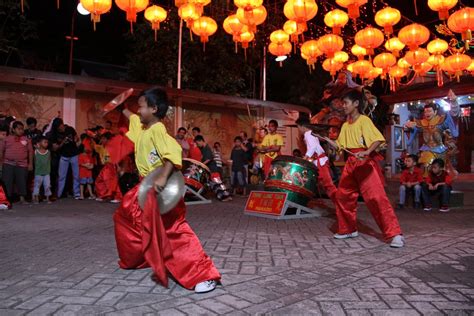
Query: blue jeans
x=42, y=180
x=64, y=163
x=444, y=190
x=403, y=192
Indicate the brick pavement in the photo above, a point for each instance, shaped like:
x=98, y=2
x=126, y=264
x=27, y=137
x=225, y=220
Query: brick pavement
x=61, y=259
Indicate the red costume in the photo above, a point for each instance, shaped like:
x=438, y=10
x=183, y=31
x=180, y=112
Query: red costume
x=166, y=243
x=106, y=184
x=363, y=176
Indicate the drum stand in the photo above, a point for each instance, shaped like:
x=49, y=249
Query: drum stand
x=197, y=198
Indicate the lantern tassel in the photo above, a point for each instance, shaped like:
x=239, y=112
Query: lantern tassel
x=439, y=77
x=416, y=7
x=57, y=4
x=156, y=36
x=22, y=6
x=236, y=47
x=245, y=54
x=131, y=27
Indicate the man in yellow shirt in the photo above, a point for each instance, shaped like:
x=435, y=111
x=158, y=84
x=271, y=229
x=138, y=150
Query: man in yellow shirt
x=271, y=146
x=362, y=174
x=166, y=243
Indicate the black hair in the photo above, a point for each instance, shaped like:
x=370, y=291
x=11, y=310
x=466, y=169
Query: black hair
x=302, y=121
x=81, y=148
x=83, y=136
x=156, y=98
x=238, y=138
x=439, y=162
x=197, y=129
x=250, y=140
x=182, y=129
x=3, y=128
x=274, y=122
x=217, y=143
x=31, y=120
x=40, y=138
x=16, y=124
x=244, y=132
x=56, y=123
x=413, y=157
x=199, y=138
x=432, y=105
x=107, y=135
x=355, y=95
x=296, y=150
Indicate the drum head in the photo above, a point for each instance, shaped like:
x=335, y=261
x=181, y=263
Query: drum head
x=198, y=163
x=296, y=160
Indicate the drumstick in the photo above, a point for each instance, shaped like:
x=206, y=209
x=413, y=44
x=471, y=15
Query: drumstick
x=329, y=142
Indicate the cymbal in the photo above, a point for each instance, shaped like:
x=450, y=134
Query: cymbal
x=117, y=101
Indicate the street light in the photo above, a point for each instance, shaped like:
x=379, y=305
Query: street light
x=281, y=58
x=82, y=10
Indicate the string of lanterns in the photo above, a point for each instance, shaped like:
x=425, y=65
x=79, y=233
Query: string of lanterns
x=249, y=14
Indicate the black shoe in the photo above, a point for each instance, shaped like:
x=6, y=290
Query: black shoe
x=417, y=205
x=400, y=207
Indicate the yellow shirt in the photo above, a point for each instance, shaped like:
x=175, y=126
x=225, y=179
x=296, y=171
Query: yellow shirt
x=360, y=134
x=103, y=153
x=148, y=141
x=272, y=140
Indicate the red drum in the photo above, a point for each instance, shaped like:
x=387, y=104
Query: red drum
x=196, y=174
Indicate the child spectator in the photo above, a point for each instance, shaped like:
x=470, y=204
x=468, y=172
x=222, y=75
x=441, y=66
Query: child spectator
x=17, y=156
x=239, y=160
x=32, y=132
x=107, y=182
x=42, y=169
x=411, y=179
x=438, y=181
x=86, y=164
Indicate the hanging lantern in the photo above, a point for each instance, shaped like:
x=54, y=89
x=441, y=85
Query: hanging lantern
x=361, y=68
x=300, y=11
x=423, y=68
x=341, y=57
x=311, y=51
x=96, y=8
x=245, y=38
x=233, y=26
x=204, y=27
x=394, y=45
x=279, y=37
x=385, y=61
x=332, y=66
x=387, y=18
x=403, y=63
x=442, y=7
x=458, y=63
x=369, y=38
x=336, y=19
x=417, y=57
x=374, y=72
x=253, y=17
x=414, y=35
x=188, y=13
x=155, y=15
x=435, y=60
x=437, y=46
x=200, y=5
x=471, y=67
x=132, y=7
x=396, y=73
x=462, y=21
x=350, y=68
x=358, y=51
x=330, y=43
x=179, y=3
x=292, y=29
x=280, y=50
x=352, y=7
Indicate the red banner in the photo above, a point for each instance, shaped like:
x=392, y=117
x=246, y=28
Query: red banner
x=270, y=203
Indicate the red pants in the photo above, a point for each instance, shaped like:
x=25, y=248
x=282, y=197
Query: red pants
x=324, y=177
x=267, y=163
x=165, y=243
x=106, y=184
x=365, y=177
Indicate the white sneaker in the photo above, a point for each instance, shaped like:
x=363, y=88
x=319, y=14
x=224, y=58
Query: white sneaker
x=427, y=209
x=206, y=286
x=397, y=242
x=99, y=200
x=3, y=207
x=345, y=236
x=115, y=201
x=444, y=209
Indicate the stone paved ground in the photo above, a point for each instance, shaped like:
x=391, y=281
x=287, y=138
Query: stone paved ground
x=61, y=259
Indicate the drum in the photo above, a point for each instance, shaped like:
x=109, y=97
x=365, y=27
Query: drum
x=196, y=174
x=295, y=176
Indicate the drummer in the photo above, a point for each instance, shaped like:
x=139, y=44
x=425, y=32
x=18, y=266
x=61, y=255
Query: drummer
x=271, y=146
x=316, y=153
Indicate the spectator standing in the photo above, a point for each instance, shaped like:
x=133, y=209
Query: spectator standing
x=17, y=157
x=32, y=132
x=86, y=165
x=239, y=160
x=181, y=139
x=65, y=142
x=217, y=155
x=42, y=170
x=194, y=151
x=248, y=153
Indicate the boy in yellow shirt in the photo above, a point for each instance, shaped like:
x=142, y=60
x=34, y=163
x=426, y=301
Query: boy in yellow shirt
x=271, y=146
x=145, y=237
